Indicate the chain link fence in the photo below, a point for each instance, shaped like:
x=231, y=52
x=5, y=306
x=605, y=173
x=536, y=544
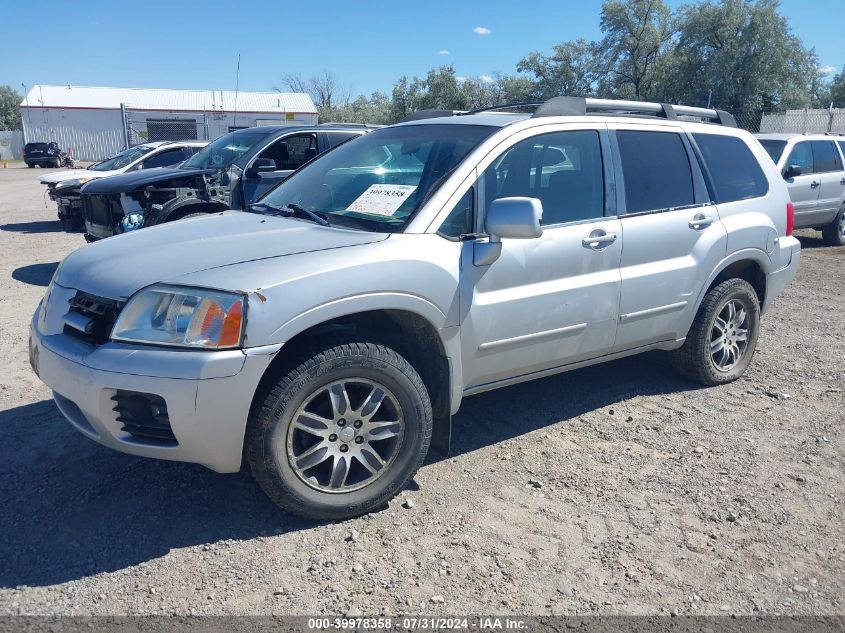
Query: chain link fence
x=807, y=121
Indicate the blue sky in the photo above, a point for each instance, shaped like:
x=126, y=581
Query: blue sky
x=189, y=44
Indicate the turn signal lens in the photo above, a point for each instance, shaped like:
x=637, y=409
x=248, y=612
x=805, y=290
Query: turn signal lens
x=790, y=218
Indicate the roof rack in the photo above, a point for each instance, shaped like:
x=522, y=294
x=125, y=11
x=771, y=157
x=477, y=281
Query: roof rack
x=573, y=106
x=582, y=106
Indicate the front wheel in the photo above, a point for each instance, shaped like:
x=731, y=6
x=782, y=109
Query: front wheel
x=723, y=336
x=834, y=233
x=342, y=433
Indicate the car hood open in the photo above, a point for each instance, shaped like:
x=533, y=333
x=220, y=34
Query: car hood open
x=118, y=266
x=135, y=179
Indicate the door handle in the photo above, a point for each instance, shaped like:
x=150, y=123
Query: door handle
x=842, y=182
x=814, y=184
x=699, y=222
x=598, y=239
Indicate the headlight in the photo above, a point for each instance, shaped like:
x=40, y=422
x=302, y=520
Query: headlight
x=183, y=317
x=73, y=182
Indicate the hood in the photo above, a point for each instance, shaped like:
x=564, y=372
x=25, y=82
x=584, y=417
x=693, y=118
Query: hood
x=141, y=178
x=118, y=266
x=69, y=174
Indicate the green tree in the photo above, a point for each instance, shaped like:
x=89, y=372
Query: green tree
x=636, y=35
x=10, y=114
x=574, y=69
x=741, y=56
x=837, y=89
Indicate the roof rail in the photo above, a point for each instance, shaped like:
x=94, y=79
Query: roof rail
x=569, y=106
x=430, y=114
x=355, y=125
x=581, y=106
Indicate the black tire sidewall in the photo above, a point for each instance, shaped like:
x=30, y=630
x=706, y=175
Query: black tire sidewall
x=276, y=419
x=740, y=291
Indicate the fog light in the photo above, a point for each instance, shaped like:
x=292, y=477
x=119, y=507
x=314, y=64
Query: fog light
x=132, y=222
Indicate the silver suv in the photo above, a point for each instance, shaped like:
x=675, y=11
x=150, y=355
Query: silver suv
x=330, y=334
x=814, y=170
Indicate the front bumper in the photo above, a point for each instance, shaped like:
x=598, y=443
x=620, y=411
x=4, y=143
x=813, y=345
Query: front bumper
x=778, y=280
x=208, y=394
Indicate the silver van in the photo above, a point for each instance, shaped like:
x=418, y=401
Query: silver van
x=329, y=335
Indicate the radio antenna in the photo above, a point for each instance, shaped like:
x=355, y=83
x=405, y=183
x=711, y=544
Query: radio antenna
x=237, y=84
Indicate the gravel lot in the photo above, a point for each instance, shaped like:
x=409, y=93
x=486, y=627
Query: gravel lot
x=617, y=489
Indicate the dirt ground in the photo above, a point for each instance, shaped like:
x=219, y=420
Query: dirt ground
x=617, y=489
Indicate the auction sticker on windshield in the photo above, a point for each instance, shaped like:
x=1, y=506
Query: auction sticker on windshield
x=382, y=200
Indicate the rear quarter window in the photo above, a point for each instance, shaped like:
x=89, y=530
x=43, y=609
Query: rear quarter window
x=734, y=171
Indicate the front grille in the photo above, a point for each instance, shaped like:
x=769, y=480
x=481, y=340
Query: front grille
x=144, y=416
x=102, y=210
x=102, y=312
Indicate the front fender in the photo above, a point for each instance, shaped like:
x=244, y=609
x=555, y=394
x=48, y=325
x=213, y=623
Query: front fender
x=355, y=304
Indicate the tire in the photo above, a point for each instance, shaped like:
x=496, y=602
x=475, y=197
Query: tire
x=695, y=360
x=834, y=233
x=30, y=165
x=337, y=485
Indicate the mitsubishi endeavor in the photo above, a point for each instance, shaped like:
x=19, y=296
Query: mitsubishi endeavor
x=329, y=335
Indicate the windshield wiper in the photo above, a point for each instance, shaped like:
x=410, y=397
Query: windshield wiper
x=294, y=210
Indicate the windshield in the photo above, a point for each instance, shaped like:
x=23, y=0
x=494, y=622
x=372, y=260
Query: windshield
x=378, y=181
x=123, y=159
x=773, y=147
x=224, y=151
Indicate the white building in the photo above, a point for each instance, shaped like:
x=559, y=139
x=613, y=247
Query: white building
x=96, y=122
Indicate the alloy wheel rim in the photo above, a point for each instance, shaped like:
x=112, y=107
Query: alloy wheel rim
x=729, y=336
x=842, y=224
x=345, y=435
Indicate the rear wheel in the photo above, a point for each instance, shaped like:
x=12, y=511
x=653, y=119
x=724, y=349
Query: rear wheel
x=723, y=336
x=341, y=433
x=834, y=233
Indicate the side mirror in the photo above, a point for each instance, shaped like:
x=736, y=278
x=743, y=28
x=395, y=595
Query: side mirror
x=261, y=165
x=514, y=218
x=791, y=171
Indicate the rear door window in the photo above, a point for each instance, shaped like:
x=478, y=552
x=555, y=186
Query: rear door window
x=656, y=169
x=802, y=156
x=735, y=172
x=825, y=157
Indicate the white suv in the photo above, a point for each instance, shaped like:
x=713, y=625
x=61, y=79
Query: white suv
x=814, y=169
x=330, y=334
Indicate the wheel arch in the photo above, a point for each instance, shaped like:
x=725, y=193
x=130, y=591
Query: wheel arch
x=410, y=331
x=752, y=265
x=186, y=207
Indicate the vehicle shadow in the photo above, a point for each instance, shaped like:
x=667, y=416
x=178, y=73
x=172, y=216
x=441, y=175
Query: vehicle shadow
x=496, y=416
x=41, y=226
x=73, y=508
x=36, y=274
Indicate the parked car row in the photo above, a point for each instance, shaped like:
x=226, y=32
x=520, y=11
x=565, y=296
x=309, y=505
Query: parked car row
x=64, y=187
x=329, y=334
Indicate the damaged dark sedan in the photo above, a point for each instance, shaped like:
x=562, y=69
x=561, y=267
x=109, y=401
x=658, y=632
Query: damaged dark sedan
x=229, y=173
